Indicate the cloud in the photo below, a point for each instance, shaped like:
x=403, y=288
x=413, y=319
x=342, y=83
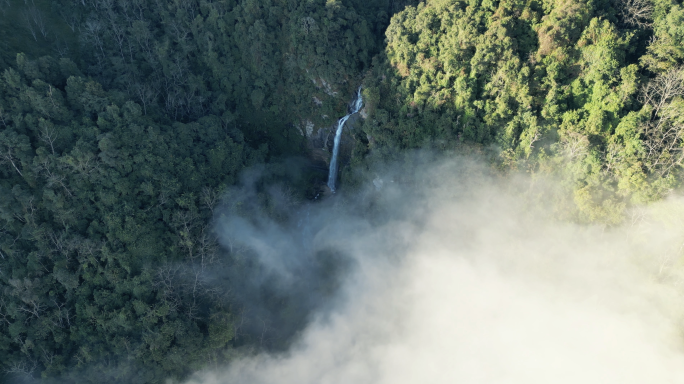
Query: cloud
x=460, y=278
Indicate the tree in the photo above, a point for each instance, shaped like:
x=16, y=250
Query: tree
x=13, y=147
x=663, y=134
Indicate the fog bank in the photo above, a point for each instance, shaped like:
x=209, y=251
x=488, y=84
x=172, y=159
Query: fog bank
x=463, y=277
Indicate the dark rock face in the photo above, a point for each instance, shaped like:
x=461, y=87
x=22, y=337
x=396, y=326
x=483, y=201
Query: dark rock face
x=321, y=141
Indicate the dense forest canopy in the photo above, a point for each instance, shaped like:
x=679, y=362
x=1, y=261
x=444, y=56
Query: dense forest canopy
x=591, y=91
x=123, y=123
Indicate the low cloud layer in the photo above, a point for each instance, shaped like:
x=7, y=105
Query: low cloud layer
x=459, y=277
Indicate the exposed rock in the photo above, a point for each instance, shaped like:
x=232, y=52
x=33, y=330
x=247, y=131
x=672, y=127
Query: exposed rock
x=308, y=126
x=327, y=88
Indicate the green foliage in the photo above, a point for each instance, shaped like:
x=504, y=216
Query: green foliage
x=264, y=61
x=114, y=155
x=554, y=85
x=100, y=207
x=114, y=152
x=667, y=49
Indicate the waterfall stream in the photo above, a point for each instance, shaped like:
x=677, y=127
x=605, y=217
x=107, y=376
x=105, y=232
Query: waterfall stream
x=355, y=107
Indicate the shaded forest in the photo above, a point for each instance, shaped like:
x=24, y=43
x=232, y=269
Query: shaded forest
x=123, y=123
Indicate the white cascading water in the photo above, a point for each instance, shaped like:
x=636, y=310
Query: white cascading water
x=355, y=107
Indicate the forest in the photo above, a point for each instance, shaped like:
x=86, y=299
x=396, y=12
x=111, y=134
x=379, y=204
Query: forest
x=125, y=123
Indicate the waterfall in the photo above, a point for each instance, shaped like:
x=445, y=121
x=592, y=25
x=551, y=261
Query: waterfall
x=355, y=107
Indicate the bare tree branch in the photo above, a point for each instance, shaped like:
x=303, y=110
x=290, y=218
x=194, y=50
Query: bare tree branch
x=663, y=134
x=637, y=13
